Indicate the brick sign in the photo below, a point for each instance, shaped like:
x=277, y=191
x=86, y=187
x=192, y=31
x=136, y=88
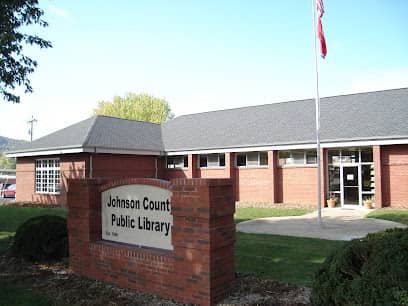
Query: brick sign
x=138, y=215
x=187, y=224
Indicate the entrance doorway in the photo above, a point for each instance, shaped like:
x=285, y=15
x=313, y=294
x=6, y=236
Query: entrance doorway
x=351, y=186
x=350, y=175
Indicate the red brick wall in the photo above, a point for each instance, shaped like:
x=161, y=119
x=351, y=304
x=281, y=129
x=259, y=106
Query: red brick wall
x=254, y=184
x=297, y=185
x=120, y=165
x=199, y=270
x=71, y=166
x=77, y=166
x=395, y=175
x=213, y=172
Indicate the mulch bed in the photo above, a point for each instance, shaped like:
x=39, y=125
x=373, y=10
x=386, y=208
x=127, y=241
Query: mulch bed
x=65, y=288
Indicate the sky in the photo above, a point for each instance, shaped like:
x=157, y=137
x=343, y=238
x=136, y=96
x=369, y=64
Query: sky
x=204, y=55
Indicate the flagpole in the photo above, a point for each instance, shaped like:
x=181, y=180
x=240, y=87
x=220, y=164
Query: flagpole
x=317, y=105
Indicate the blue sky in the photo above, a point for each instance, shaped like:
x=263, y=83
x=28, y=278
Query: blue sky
x=205, y=55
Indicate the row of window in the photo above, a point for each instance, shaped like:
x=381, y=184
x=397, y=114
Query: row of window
x=216, y=160
x=247, y=159
x=47, y=171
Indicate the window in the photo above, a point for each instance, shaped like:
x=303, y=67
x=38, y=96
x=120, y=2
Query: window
x=350, y=156
x=177, y=161
x=297, y=157
x=212, y=160
x=47, y=176
x=252, y=159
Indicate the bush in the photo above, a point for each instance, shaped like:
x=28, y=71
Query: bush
x=43, y=238
x=368, y=271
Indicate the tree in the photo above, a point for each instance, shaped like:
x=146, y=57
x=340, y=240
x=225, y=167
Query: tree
x=7, y=162
x=14, y=65
x=141, y=107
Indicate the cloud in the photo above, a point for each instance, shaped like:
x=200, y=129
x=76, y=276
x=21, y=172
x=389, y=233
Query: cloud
x=60, y=12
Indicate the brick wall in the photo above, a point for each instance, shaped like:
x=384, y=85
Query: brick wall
x=254, y=184
x=71, y=166
x=199, y=270
x=395, y=176
x=297, y=185
x=121, y=165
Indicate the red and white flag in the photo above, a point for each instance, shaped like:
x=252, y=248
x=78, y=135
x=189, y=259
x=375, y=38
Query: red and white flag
x=320, y=34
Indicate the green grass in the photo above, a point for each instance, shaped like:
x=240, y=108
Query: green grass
x=396, y=215
x=249, y=213
x=287, y=259
x=14, y=295
x=11, y=217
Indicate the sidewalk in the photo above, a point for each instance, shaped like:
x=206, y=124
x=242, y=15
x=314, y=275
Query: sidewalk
x=337, y=224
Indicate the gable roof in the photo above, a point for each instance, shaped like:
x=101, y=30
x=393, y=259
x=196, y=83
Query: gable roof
x=370, y=116
x=363, y=116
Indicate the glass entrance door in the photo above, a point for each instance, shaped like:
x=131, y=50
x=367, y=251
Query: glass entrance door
x=350, y=186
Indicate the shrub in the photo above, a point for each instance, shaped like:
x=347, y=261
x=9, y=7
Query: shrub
x=43, y=238
x=368, y=271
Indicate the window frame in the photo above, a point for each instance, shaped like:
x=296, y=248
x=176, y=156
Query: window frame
x=185, y=161
x=305, y=158
x=210, y=167
x=47, y=179
x=258, y=165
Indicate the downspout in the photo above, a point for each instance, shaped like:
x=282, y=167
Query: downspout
x=155, y=167
x=90, y=166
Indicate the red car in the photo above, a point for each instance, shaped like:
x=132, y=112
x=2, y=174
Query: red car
x=9, y=191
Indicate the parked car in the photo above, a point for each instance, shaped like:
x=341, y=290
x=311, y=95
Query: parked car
x=9, y=191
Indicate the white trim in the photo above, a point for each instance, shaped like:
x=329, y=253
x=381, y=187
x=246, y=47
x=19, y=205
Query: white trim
x=210, y=151
x=365, y=143
x=358, y=143
x=46, y=152
x=126, y=151
x=242, y=150
x=81, y=150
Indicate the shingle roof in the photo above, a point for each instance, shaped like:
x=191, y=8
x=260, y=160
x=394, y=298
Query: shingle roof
x=101, y=132
x=365, y=116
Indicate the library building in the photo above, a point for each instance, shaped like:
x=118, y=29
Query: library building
x=267, y=151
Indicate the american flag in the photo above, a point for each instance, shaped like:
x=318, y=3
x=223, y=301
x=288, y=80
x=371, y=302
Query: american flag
x=320, y=34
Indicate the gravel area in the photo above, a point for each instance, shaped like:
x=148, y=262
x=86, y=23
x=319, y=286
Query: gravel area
x=65, y=288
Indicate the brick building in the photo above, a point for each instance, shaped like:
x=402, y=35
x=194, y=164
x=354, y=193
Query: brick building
x=268, y=151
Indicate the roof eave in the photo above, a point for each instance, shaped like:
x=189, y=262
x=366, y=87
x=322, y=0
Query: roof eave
x=81, y=149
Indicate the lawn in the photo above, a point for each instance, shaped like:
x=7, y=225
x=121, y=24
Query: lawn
x=287, y=259
x=249, y=213
x=12, y=216
x=396, y=215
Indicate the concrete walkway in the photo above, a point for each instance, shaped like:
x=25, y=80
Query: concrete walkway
x=337, y=224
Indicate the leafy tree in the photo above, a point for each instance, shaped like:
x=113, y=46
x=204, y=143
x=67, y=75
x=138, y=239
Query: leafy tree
x=7, y=162
x=14, y=65
x=141, y=107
